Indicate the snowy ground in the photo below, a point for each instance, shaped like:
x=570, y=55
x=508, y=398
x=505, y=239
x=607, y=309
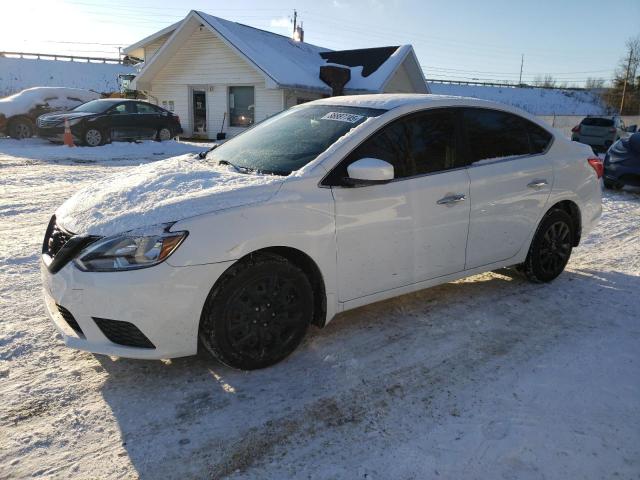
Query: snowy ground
x=490, y=377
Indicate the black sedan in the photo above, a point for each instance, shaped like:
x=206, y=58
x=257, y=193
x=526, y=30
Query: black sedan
x=114, y=119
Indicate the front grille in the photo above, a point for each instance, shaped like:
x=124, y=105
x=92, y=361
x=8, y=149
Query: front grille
x=43, y=123
x=71, y=321
x=123, y=333
x=55, y=238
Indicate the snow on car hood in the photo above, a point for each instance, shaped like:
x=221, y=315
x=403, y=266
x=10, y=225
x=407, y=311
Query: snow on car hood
x=161, y=192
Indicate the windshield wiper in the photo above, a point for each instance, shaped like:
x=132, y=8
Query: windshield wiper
x=203, y=155
x=235, y=167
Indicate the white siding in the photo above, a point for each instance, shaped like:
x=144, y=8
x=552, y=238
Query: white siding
x=151, y=48
x=206, y=63
x=400, y=82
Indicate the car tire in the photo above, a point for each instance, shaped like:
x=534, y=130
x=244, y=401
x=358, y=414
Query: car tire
x=257, y=313
x=164, y=134
x=550, y=248
x=21, y=127
x=612, y=185
x=93, y=137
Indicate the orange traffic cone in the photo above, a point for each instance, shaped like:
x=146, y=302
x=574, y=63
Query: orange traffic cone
x=68, y=138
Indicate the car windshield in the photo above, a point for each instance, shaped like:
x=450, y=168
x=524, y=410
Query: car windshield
x=94, y=106
x=290, y=140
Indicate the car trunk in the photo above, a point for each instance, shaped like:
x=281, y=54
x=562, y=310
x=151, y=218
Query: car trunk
x=597, y=127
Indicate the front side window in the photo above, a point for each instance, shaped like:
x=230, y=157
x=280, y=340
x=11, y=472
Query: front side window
x=288, y=141
x=492, y=134
x=145, y=108
x=119, y=109
x=417, y=144
x=241, y=106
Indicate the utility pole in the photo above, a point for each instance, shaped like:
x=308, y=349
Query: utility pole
x=626, y=79
x=521, y=65
x=295, y=22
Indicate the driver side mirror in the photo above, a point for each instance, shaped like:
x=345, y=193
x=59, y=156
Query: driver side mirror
x=369, y=171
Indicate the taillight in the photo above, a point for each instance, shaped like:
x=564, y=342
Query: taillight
x=612, y=130
x=597, y=165
x=177, y=118
x=576, y=129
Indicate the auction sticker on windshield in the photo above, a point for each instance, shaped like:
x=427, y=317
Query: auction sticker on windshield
x=343, y=117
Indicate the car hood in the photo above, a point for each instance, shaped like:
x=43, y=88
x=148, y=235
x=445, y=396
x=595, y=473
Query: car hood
x=162, y=192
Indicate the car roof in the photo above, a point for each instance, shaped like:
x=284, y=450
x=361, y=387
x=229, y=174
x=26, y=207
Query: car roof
x=389, y=101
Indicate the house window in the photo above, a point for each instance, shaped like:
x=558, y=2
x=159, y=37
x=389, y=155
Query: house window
x=241, y=106
x=168, y=105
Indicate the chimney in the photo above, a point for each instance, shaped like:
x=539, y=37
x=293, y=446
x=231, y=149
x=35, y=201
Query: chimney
x=336, y=77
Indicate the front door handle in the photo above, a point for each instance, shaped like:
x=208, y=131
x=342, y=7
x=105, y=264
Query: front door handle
x=452, y=199
x=537, y=184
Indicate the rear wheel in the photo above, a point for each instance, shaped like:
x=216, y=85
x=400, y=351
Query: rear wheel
x=21, y=128
x=258, y=313
x=551, y=247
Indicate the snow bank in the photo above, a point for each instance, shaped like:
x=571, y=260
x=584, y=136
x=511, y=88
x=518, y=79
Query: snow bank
x=19, y=73
x=42, y=150
x=57, y=98
x=537, y=101
x=162, y=192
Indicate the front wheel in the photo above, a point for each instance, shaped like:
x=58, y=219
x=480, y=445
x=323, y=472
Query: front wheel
x=93, y=137
x=257, y=313
x=164, y=134
x=551, y=247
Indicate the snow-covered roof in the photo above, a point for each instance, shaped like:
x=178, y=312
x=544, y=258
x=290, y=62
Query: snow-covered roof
x=151, y=38
x=288, y=63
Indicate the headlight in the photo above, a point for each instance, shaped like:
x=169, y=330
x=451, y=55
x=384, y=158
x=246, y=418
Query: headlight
x=130, y=250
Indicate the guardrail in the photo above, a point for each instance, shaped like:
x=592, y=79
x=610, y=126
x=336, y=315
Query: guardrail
x=55, y=56
x=498, y=84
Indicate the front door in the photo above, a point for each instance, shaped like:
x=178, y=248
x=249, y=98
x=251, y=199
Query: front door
x=123, y=121
x=511, y=179
x=413, y=228
x=199, y=108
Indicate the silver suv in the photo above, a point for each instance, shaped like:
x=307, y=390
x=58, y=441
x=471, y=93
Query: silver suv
x=599, y=132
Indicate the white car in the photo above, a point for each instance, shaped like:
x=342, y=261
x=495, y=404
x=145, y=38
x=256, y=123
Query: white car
x=325, y=207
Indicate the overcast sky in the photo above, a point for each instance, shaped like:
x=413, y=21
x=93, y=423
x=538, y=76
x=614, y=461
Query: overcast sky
x=463, y=39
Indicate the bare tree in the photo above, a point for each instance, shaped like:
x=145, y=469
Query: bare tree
x=624, y=95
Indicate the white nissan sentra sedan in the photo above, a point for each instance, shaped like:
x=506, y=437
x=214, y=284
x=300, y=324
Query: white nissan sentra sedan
x=325, y=207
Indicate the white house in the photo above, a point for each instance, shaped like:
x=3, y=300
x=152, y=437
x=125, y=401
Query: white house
x=221, y=75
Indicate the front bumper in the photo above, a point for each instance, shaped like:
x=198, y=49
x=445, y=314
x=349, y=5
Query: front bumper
x=163, y=302
x=56, y=134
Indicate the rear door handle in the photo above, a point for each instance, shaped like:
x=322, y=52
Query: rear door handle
x=537, y=184
x=452, y=199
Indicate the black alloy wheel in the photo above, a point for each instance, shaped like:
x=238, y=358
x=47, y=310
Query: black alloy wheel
x=258, y=313
x=551, y=247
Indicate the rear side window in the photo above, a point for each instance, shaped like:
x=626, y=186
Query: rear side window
x=539, y=138
x=597, y=122
x=415, y=145
x=492, y=134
